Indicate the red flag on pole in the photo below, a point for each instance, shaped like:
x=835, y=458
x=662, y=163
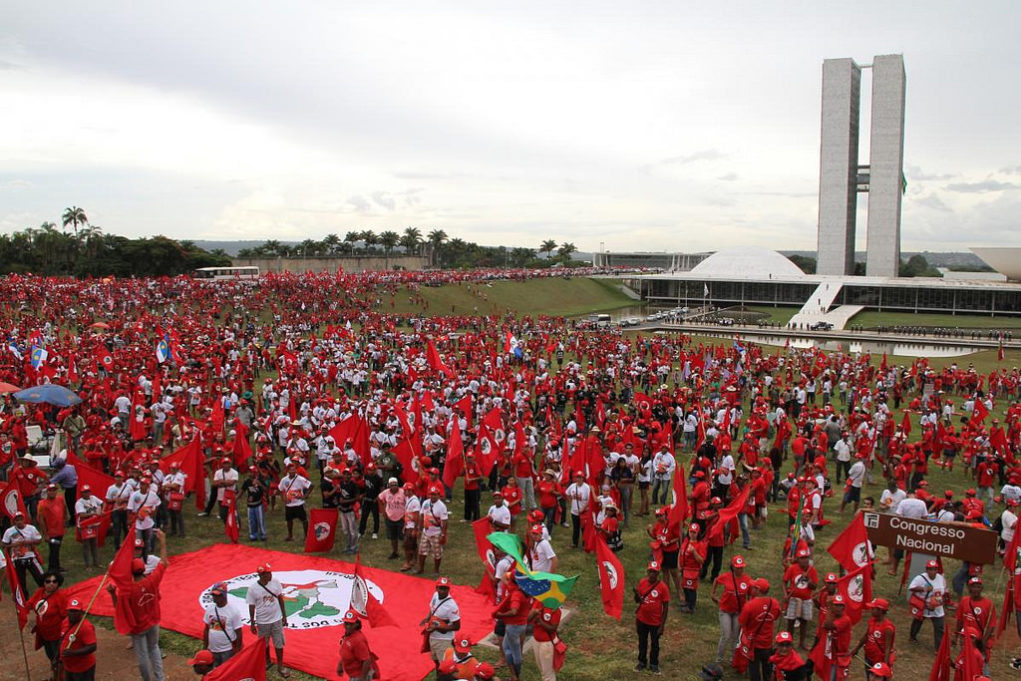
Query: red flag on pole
x=190, y=459
x=230, y=526
x=120, y=574
x=729, y=512
x=374, y=610
x=852, y=548
x=979, y=413
x=611, y=579
x=322, y=530
x=11, y=501
x=679, y=510
x=249, y=664
x=453, y=467
x=941, y=665
x=481, y=529
x=856, y=588
x=18, y=593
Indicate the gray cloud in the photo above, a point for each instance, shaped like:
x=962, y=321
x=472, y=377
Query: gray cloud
x=360, y=203
x=917, y=174
x=727, y=177
x=384, y=200
x=1011, y=170
x=981, y=187
x=701, y=155
x=934, y=202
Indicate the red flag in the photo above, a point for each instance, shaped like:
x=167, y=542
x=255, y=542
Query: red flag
x=453, y=467
x=905, y=423
x=322, y=530
x=249, y=664
x=242, y=448
x=481, y=529
x=354, y=429
x=435, y=363
x=818, y=656
x=97, y=480
x=11, y=500
x=729, y=512
x=611, y=579
x=120, y=574
x=104, y=360
x=979, y=413
x=852, y=548
x=856, y=588
x=230, y=527
x=405, y=453
x=190, y=459
x=218, y=416
x=18, y=592
x=95, y=526
x=374, y=610
x=941, y=665
x=679, y=510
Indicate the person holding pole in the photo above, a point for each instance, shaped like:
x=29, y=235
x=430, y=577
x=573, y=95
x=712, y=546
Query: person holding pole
x=78, y=645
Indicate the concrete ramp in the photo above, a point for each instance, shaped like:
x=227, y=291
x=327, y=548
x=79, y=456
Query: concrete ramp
x=817, y=308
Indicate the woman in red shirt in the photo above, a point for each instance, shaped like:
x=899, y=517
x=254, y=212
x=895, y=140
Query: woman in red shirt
x=47, y=607
x=879, y=637
x=512, y=497
x=549, y=493
x=513, y=609
x=691, y=556
x=664, y=536
x=735, y=594
x=356, y=660
x=653, y=599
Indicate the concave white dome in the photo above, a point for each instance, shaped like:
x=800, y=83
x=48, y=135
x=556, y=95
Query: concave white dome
x=747, y=261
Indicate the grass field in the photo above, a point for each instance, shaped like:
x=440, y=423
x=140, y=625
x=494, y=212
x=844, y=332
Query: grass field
x=600, y=647
x=870, y=319
x=555, y=297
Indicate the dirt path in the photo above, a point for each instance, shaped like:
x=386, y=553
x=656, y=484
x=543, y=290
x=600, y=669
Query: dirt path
x=114, y=660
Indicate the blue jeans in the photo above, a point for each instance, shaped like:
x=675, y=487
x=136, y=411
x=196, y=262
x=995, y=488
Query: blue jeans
x=527, y=493
x=512, y=643
x=148, y=654
x=746, y=539
x=661, y=488
x=257, y=522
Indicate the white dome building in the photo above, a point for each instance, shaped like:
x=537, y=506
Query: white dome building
x=747, y=262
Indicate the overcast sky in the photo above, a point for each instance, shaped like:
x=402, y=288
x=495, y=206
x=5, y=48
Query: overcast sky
x=635, y=125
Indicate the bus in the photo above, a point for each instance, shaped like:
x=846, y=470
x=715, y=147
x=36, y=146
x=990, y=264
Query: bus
x=599, y=320
x=246, y=273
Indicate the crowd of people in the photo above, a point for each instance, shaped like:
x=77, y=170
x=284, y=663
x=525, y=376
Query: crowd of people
x=310, y=389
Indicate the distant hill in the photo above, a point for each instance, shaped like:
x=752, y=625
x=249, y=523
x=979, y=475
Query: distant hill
x=231, y=248
x=951, y=259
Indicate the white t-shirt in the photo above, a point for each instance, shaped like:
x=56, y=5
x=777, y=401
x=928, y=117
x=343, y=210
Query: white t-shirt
x=294, y=490
x=542, y=556
x=911, y=507
x=933, y=587
x=889, y=500
x=91, y=505
x=264, y=598
x=138, y=501
x=432, y=517
x=842, y=449
x=27, y=534
x=726, y=470
x=856, y=474
x=223, y=625
x=500, y=514
x=579, y=495
x=446, y=611
x=230, y=476
x=412, y=505
x=1009, y=525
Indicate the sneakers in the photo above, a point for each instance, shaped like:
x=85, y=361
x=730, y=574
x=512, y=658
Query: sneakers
x=375, y=535
x=654, y=669
x=1015, y=663
x=640, y=667
x=203, y=514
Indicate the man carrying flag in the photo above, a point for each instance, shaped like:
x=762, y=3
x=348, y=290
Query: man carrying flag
x=138, y=596
x=20, y=541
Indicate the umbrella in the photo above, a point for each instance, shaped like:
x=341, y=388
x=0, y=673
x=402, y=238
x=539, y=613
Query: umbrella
x=49, y=393
x=100, y=325
x=8, y=388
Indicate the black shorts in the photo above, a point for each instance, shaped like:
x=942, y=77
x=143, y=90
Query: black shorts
x=393, y=529
x=295, y=513
x=853, y=494
x=670, y=560
x=643, y=485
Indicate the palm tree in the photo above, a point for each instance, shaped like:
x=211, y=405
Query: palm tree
x=273, y=247
x=331, y=242
x=436, y=239
x=411, y=239
x=74, y=216
x=370, y=239
x=389, y=239
x=547, y=247
x=566, y=249
x=351, y=238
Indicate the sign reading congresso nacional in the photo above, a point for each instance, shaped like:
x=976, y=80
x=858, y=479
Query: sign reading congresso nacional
x=954, y=540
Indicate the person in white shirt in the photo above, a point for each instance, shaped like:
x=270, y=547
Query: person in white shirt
x=578, y=495
x=1009, y=521
x=88, y=506
x=225, y=478
x=173, y=497
x=20, y=541
x=412, y=507
x=843, y=451
x=222, y=635
x=142, y=506
x=542, y=556
x=117, y=496
x=909, y=507
x=929, y=586
x=855, y=478
x=294, y=489
x=432, y=529
x=267, y=614
x=663, y=465
x=891, y=496
x=443, y=620
x=498, y=514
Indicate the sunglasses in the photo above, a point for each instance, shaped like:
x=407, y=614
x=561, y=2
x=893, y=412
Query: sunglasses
x=49, y=581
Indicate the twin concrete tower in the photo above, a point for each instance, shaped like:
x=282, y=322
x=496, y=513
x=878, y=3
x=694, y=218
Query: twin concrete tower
x=841, y=178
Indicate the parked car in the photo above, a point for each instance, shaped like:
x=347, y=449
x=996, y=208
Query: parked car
x=822, y=326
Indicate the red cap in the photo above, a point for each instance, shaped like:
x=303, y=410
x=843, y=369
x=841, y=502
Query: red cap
x=882, y=670
x=201, y=657
x=443, y=581
x=137, y=566
x=931, y=564
x=462, y=645
x=653, y=565
x=693, y=527
x=838, y=600
x=831, y=578
x=264, y=568
x=803, y=553
x=484, y=670
x=880, y=603
x=350, y=616
x=737, y=561
x=784, y=637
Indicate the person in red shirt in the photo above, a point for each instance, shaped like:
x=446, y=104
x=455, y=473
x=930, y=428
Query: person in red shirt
x=837, y=642
x=549, y=495
x=787, y=664
x=513, y=609
x=47, y=608
x=653, y=599
x=799, y=583
x=142, y=597
x=53, y=517
x=472, y=493
x=356, y=660
x=78, y=645
x=669, y=545
x=545, y=622
x=757, y=619
x=978, y=612
x=512, y=497
x=879, y=635
x=691, y=556
x=735, y=594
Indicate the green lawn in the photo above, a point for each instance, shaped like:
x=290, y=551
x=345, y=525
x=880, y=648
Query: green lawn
x=870, y=319
x=777, y=315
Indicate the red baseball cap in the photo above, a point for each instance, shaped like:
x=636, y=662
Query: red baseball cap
x=443, y=581
x=784, y=637
x=462, y=645
x=201, y=657
x=137, y=566
x=264, y=568
x=350, y=616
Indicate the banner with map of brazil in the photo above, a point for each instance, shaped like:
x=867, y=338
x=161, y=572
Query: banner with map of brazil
x=317, y=593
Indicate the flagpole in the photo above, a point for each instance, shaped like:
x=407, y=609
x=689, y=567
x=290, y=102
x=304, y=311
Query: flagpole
x=21, y=636
x=17, y=614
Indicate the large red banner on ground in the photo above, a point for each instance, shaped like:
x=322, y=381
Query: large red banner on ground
x=317, y=593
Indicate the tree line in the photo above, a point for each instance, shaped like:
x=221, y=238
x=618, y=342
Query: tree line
x=81, y=249
x=442, y=251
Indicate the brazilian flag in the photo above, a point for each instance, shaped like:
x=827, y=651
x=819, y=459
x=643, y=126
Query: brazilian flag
x=549, y=589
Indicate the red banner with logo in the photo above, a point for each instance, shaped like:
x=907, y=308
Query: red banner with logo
x=317, y=593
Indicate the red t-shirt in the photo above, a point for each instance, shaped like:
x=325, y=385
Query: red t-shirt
x=757, y=618
x=799, y=580
x=471, y=476
x=512, y=495
x=85, y=636
x=550, y=618
x=515, y=601
x=548, y=494
x=51, y=613
x=879, y=638
x=735, y=592
x=52, y=510
x=841, y=636
x=354, y=651
x=653, y=599
x=143, y=597
x=522, y=466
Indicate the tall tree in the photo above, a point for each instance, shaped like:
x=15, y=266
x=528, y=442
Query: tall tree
x=74, y=216
x=389, y=240
x=370, y=239
x=565, y=250
x=436, y=239
x=331, y=242
x=411, y=240
x=548, y=247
